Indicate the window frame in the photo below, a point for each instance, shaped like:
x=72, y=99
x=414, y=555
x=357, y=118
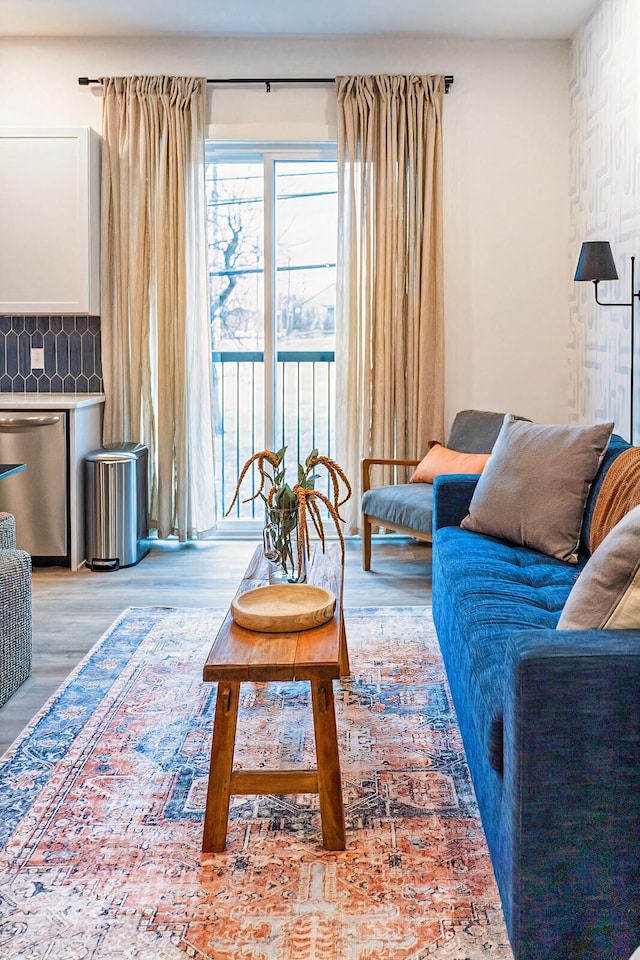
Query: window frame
x=269, y=152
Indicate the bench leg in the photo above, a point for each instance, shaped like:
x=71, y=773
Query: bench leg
x=219, y=789
x=366, y=543
x=329, y=781
x=345, y=668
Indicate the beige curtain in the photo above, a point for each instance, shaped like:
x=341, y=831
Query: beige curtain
x=155, y=316
x=390, y=376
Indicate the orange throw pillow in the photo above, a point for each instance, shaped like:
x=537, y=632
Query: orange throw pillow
x=442, y=460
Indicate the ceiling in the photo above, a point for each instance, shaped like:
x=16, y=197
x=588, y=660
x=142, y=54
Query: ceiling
x=483, y=19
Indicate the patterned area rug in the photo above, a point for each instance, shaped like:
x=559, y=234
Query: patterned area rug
x=102, y=803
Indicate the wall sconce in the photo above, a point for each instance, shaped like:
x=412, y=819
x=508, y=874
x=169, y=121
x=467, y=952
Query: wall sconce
x=596, y=263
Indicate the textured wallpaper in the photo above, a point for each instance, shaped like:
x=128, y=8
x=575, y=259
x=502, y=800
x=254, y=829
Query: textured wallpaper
x=605, y=205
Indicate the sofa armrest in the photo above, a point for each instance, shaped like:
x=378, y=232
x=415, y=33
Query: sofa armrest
x=572, y=789
x=452, y=495
x=15, y=620
x=7, y=531
x=369, y=462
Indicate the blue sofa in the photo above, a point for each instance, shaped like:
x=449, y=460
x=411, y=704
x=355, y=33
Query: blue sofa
x=551, y=727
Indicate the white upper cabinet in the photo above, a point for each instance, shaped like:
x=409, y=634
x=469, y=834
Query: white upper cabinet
x=49, y=221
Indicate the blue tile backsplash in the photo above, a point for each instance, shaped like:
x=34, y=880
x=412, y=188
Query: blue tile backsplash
x=72, y=354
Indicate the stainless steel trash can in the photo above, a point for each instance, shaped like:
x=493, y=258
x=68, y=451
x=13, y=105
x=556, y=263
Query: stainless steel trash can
x=115, y=506
x=141, y=453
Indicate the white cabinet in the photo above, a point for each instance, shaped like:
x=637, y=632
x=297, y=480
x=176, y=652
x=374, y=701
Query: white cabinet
x=49, y=221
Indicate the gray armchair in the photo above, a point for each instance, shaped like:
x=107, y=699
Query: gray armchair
x=15, y=610
x=407, y=507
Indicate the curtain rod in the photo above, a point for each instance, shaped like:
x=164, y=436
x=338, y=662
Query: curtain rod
x=86, y=81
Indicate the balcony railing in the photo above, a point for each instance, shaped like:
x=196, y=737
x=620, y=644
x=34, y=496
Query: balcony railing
x=304, y=404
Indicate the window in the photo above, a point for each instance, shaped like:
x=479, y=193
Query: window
x=272, y=220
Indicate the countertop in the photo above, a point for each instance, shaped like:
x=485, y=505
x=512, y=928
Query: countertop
x=7, y=469
x=48, y=401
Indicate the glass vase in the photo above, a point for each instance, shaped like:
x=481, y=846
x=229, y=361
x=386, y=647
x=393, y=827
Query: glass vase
x=285, y=554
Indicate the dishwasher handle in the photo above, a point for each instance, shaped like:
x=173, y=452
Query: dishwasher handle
x=14, y=423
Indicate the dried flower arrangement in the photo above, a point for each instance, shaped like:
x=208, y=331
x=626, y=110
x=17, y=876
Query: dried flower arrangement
x=288, y=508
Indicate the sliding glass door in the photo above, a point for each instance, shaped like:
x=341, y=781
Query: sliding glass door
x=272, y=217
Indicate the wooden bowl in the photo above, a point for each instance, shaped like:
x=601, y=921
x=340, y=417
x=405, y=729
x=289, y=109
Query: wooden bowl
x=283, y=608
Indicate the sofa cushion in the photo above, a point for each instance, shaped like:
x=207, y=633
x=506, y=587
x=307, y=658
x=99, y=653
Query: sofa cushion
x=406, y=505
x=534, y=488
x=493, y=590
x=607, y=592
x=475, y=431
x=442, y=460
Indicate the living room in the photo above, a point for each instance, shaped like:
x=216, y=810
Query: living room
x=541, y=140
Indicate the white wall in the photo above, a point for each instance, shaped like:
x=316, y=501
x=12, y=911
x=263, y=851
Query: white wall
x=506, y=145
x=605, y=188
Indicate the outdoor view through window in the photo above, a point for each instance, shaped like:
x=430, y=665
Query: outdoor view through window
x=272, y=257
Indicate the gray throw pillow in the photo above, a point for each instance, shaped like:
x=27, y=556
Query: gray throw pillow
x=606, y=595
x=534, y=488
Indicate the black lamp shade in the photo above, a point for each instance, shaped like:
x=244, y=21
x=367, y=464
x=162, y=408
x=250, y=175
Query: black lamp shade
x=596, y=262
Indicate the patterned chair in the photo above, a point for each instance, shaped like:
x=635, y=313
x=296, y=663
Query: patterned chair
x=15, y=610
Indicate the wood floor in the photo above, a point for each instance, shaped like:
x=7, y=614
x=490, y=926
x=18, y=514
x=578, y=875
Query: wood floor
x=71, y=611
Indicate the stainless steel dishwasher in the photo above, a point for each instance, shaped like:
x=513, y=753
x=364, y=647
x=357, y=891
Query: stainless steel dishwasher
x=37, y=496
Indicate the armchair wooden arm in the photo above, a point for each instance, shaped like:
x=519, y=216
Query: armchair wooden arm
x=368, y=462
